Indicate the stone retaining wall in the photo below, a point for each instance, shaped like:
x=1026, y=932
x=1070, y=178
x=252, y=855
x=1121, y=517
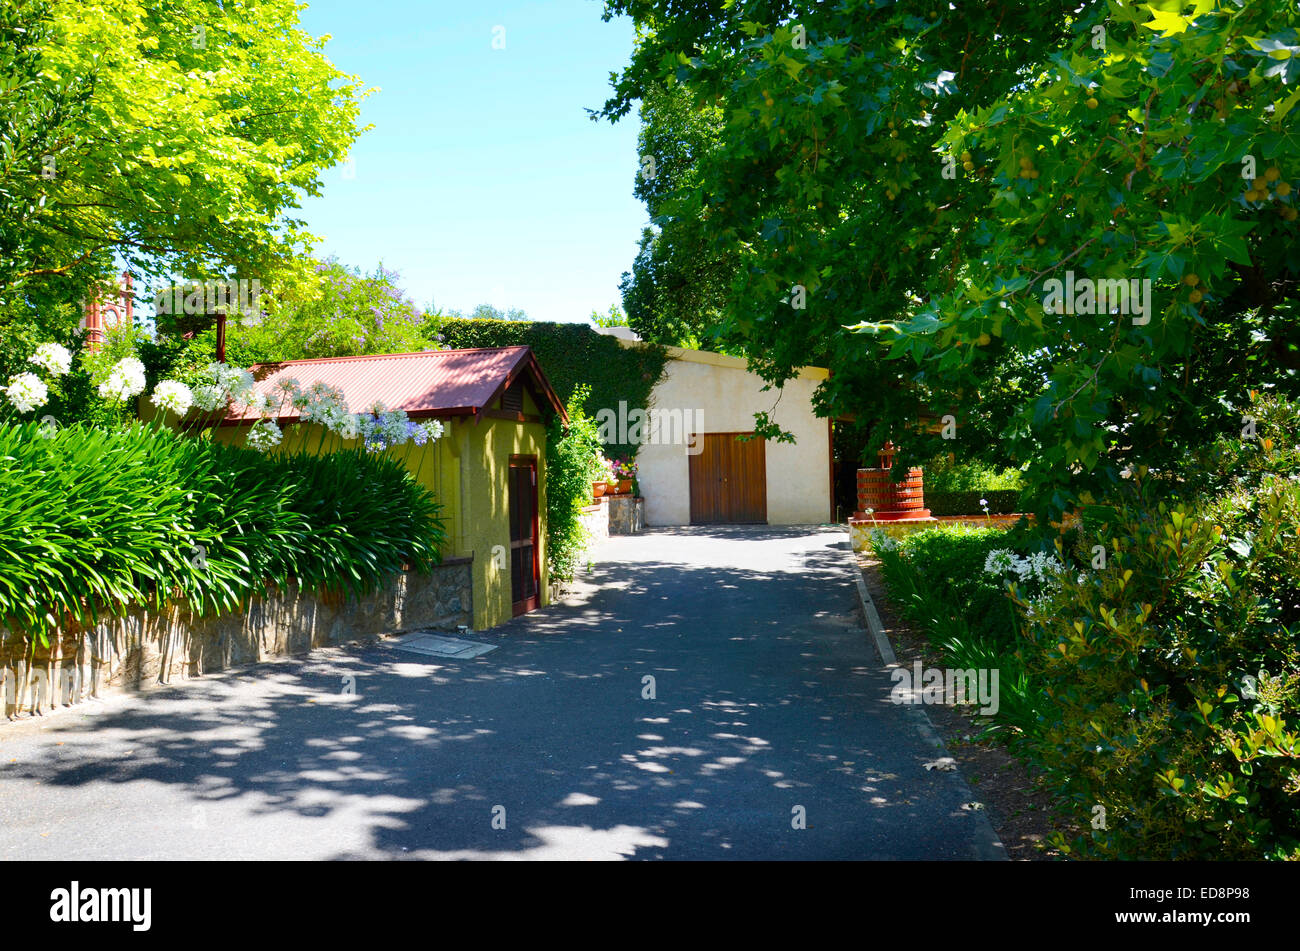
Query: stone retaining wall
x=143, y=648
x=626, y=515
x=614, y=515
x=595, y=518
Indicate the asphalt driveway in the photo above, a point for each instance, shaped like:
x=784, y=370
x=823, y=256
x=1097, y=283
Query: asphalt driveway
x=768, y=704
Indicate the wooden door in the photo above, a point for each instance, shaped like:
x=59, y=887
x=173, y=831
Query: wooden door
x=729, y=481
x=525, y=568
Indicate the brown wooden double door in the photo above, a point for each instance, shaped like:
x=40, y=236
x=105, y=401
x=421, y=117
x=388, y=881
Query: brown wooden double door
x=729, y=480
x=525, y=565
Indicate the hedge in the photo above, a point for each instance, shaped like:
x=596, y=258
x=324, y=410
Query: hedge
x=967, y=502
x=570, y=355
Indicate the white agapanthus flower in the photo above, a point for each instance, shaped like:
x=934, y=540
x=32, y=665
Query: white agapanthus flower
x=332, y=417
x=124, y=381
x=26, y=391
x=174, y=396
x=1044, y=567
x=1038, y=566
x=348, y=426
x=53, y=358
x=210, y=397
x=264, y=435
x=289, y=387
x=239, y=380
x=261, y=404
x=426, y=432
x=999, y=562
x=236, y=382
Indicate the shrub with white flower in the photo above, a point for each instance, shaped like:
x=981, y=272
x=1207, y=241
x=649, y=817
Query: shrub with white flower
x=125, y=380
x=881, y=541
x=999, y=562
x=52, y=358
x=1038, y=567
x=26, y=391
x=264, y=435
x=173, y=396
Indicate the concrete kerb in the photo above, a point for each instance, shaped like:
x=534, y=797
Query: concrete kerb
x=987, y=846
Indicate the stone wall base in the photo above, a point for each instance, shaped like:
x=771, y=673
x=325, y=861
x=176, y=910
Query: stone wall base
x=614, y=515
x=141, y=648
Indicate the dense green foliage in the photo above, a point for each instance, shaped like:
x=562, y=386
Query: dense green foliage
x=936, y=578
x=572, y=454
x=922, y=170
x=177, y=137
x=960, y=488
x=92, y=521
x=967, y=501
x=943, y=475
x=339, y=312
x=1158, y=676
x=571, y=355
x=1174, y=672
x=676, y=290
x=949, y=561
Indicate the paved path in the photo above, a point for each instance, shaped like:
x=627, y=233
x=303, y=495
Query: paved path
x=767, y=698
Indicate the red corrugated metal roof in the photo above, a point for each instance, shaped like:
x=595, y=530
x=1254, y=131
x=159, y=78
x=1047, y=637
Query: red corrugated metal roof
x=434, y=383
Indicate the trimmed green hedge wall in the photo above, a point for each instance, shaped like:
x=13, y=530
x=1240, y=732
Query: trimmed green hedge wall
x=967, y=502
x=570, y=355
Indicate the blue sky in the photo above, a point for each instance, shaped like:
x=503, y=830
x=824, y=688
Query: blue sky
x=483, y=179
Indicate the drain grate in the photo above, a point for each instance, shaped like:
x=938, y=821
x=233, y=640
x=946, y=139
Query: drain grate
x=439, y=646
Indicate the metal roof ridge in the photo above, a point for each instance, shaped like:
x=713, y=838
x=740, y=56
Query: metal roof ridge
x=378, y=356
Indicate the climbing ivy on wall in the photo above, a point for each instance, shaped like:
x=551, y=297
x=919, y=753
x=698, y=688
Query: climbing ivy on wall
x=571, y=355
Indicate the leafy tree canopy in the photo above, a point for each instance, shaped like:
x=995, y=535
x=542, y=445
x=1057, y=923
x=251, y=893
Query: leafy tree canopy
x=899, y=183
x=339, y=313
x=615, y=317
x=486, y=312
x=176, y=137
x=676, y=289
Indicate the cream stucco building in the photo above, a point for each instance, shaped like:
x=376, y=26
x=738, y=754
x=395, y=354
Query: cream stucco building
x=692, y=469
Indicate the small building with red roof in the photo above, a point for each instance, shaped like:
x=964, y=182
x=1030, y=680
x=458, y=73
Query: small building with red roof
x=487, y=469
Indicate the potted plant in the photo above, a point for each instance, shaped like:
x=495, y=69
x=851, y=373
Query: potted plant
x=607, y=475
x=601, y=477
x=625, y=471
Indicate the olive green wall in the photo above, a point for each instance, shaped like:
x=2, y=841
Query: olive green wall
x=468, y=472
x=485, y=451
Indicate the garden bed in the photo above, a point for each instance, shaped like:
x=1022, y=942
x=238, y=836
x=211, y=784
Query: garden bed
x=1019, y=809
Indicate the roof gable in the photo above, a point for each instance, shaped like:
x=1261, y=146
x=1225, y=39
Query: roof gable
x=428, y=384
